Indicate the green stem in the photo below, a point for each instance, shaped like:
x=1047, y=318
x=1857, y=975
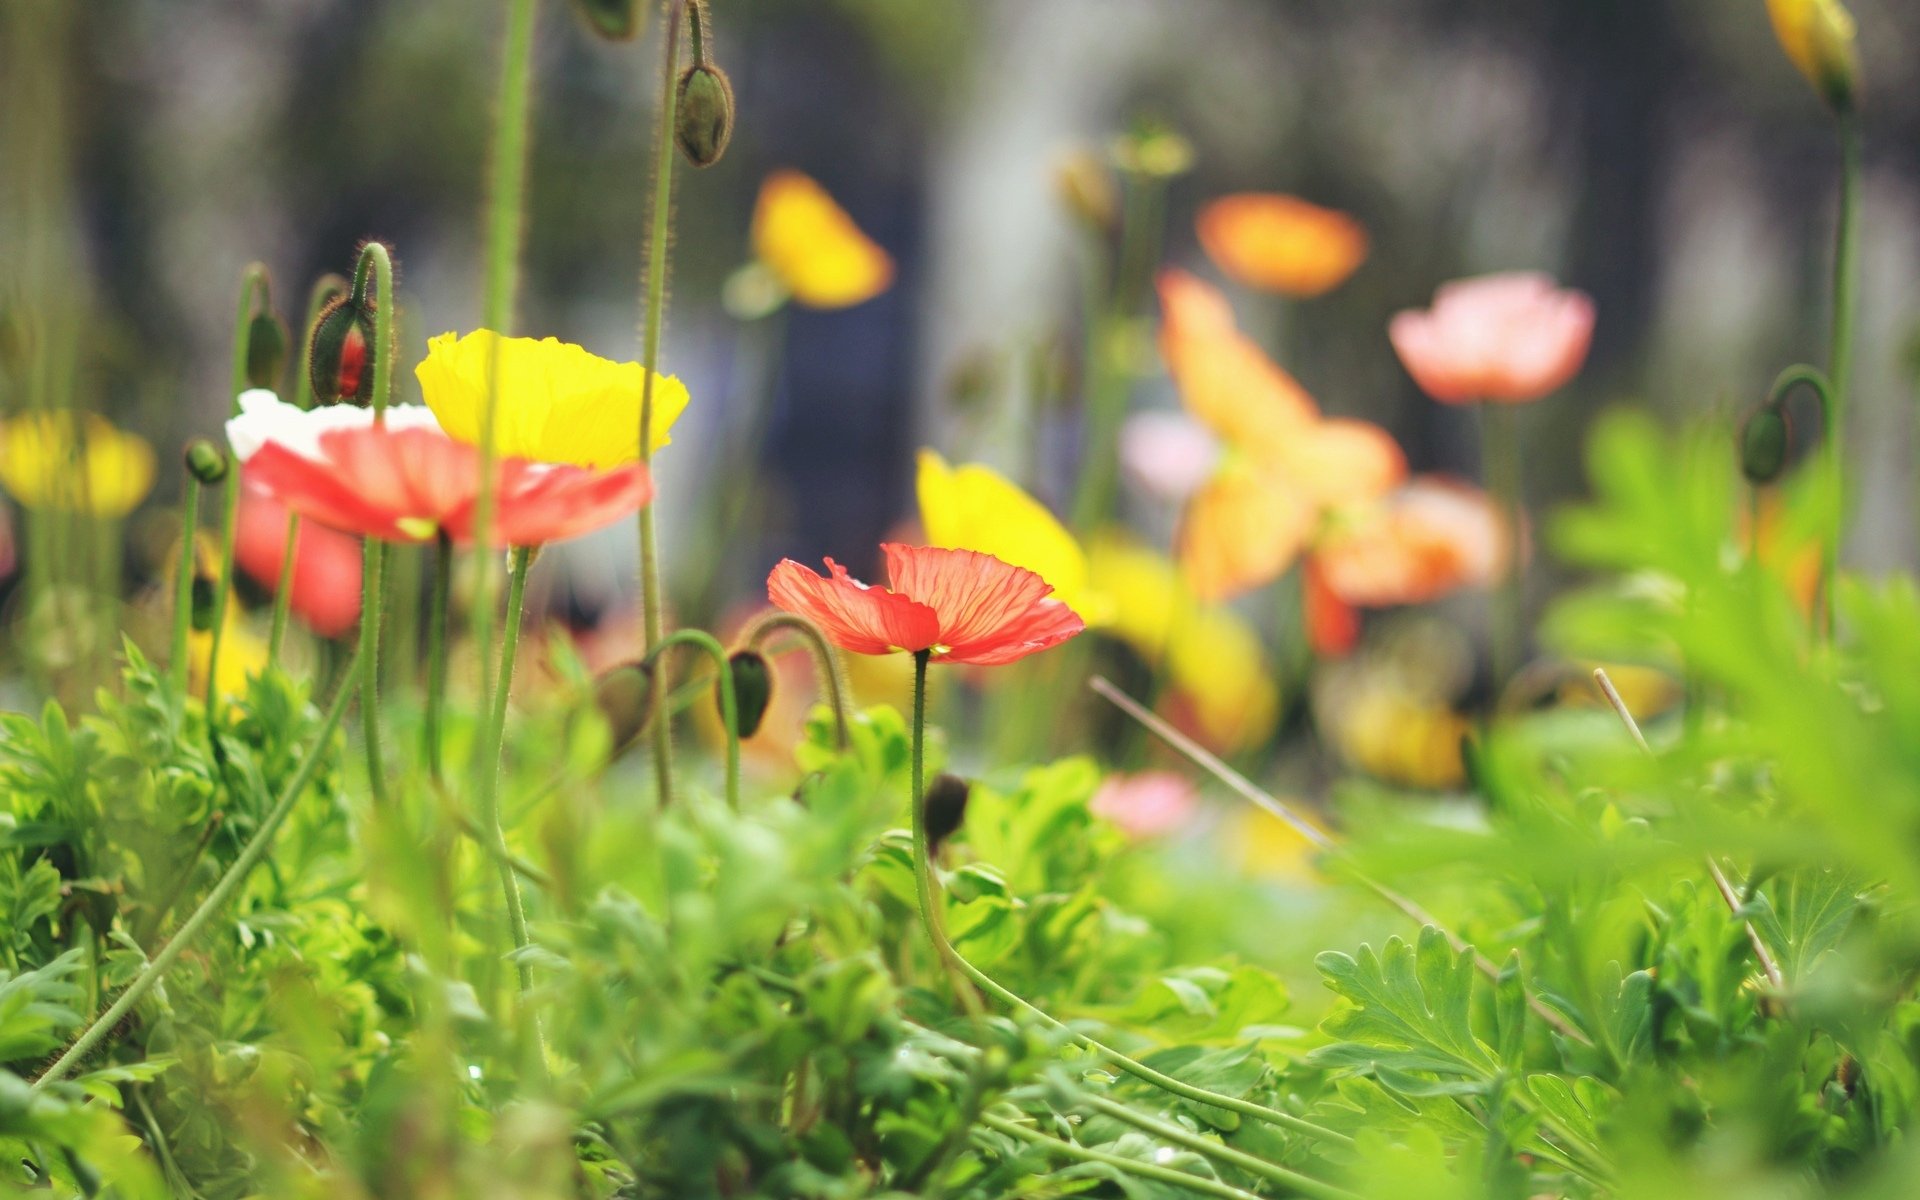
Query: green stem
x=495, y=738
x=437, y=652
x=825, y=662
x=183, y=585
x=1303, y=1185
x=1500, y=463
x=660, y=227
x=1107, y=372
x=228, y=883
x=375, y=266
x=506, y=224
x=283, y=593
x=1129, y=1166
x=923, y=881
x=253, y=295
x=1846, y=287
x=729, y=711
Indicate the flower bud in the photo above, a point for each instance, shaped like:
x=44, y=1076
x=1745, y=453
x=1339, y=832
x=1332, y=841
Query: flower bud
x=703, y=121
x=267, y=341
x=752, y=690
x=206, y=461
x=1763, y=445
x=1818, y=36
x=341, y=362
x=624, y=696
x=615, y=20
x=205, y=596
x=945, y=806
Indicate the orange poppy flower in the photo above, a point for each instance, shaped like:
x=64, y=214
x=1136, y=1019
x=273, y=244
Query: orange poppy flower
x=963, y=606
x=1281, y=243
x=1507, y=338
x=408, y=485
x=325, y=589
x=812, y=245
x=1286, y=465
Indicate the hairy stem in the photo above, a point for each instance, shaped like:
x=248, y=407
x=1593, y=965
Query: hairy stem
x=488, y=816
x=183, y=585
x=826, y=662
x=705, y=642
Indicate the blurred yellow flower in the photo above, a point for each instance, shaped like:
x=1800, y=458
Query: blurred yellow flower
x=76, y=462
x=1214, y=660
x=974, y=507
x=558, y=402
x=813, y=245
x=1818, y=36
x=1401, y=738
x=1268, y=848
x=242, y=656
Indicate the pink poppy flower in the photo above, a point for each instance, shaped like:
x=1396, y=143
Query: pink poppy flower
x=1507, y=338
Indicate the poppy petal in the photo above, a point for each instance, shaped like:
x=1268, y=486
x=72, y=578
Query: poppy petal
x=854, y=616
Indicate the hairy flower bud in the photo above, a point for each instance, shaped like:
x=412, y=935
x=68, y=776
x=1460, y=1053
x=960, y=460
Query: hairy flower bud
x=752, y=690
x=341, y=362
x=267, y=341
x=1763, y=444
x=703, y=121
x=206, y=461
x=946, y=808
x=624, y=696
x=615, y=20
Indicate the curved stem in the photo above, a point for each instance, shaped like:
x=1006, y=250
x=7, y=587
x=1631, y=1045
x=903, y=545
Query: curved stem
x=1294, y=1181
x=183, y=585
x=826, y=663
x=1824, y=392
x=1129, y=1166
x=729, y=712
x=923, y=881
x=437, y=651
x=489, y=815
x=253, y=295
x=228, y=883
x=660, y=227
x=505, y=229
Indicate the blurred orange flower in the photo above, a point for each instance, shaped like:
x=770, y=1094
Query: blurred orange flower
x=1285, y=466
x=1508, y=338
x=1281, y=243
x=812, y=245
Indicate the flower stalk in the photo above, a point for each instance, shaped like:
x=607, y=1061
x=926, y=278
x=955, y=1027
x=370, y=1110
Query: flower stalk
x=253, y=299
x=1500, y=461
x=183, y=585
x=660, y=231
x=488, y=817
x=826, y=663
x=375, y=265
x=705, y=642
x=440, y=600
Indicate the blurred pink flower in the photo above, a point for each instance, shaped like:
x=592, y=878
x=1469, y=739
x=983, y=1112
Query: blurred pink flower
x=1509, y=338
x=1146, y=805
x=1168, y=454
x=326, y=564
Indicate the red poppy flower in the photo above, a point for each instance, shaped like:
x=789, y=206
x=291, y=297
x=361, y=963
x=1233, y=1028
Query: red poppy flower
x=964, y=606
x=326, y=563
x=406, y=485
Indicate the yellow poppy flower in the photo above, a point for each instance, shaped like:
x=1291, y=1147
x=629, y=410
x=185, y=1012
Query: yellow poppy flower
x=242, y=656
x=813, y=245
x=558, y=402
x=1214, y=660
x=974, y=507
x=77, y=462
x=1818, y=36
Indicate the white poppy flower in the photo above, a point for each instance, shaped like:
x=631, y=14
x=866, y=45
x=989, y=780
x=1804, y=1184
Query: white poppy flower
x=264, y=417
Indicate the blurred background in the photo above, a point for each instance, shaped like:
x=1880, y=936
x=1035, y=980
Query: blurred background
x=1665, y=158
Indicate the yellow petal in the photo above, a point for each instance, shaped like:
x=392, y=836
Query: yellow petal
x=558, y=402
x=974, y=507
x=242, y=656
x=1818, y=36
x=59, y=460
x=814, y=246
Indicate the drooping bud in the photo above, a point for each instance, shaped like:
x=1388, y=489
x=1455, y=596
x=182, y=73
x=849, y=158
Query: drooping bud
x=703, y=120
x=341, y=362
x=624, y=696
x=206, y=461
x=1763, y=444
x=752, y=690
x=946, y=808
x=1818, y=36
x=615, y=20
x=267, y=341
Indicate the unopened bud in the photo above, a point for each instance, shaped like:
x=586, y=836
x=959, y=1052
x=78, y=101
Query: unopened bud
x=946, y=809
x=624, y=696
x=703, y=121
x=267, y=341
x=1763, y=445
x=207, y=461
x=1818, y=36
x=341, y=362
x=615, y=20
x=205, y=594
x=752, y=690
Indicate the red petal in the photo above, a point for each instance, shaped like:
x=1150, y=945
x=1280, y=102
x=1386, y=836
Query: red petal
x=326, y=568
x=865, y=620
x=990, y=612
